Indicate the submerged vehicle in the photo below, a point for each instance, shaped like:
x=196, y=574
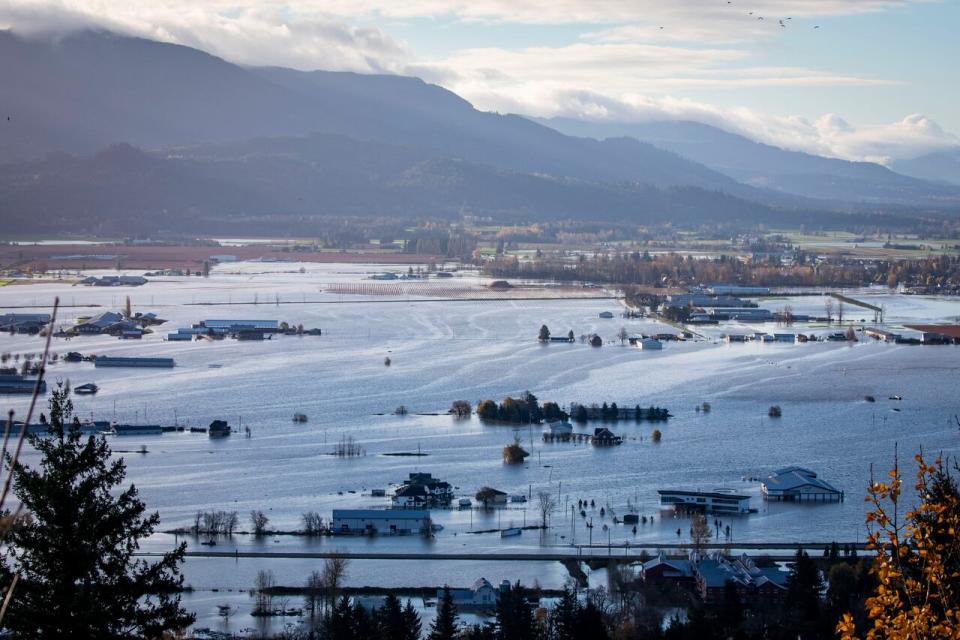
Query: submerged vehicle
x=86, y=389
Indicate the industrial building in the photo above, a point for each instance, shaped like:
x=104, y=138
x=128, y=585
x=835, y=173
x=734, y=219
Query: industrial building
x=704, y=501
x=379, y=522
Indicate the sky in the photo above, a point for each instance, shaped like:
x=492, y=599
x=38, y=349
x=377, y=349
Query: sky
x=857, y=79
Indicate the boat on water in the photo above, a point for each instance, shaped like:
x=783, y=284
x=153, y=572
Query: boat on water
x=511, y=532
x=86, y=389
x=299, y=417
x=209, y=543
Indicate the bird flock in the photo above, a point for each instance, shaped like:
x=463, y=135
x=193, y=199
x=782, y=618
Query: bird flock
x=783, y=22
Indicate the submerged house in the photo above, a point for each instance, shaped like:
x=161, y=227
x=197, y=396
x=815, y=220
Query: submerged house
x=558, y=430
x=603, y=437
x=481, y=595
x=29, y=323
x=797, y=484
x=422, y=490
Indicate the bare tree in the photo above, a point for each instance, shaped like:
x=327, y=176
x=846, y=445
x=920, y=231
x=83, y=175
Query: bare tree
x=264, y=599
x=231, y=521
x=460, y=409
x=787, y=315
x=546, y=504
x=259, y=521
x=334, y=570
x=622, y=335
x=312, y=523
x=840, y=312
x=313, y=598
x=828, y=308
x=700, y=531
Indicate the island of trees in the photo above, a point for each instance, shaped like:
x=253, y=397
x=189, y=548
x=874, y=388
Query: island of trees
x=527, y=410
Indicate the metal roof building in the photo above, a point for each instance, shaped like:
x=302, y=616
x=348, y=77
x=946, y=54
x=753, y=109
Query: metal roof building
x=236, y=325
x=797, y=484
x=379, y=522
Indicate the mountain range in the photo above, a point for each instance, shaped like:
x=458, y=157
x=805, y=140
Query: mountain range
x=106, y=132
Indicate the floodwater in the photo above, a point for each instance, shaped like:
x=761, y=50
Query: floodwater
x=444, y=351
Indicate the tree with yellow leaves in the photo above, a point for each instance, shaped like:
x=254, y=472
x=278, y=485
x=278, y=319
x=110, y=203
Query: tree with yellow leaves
x=918, y=559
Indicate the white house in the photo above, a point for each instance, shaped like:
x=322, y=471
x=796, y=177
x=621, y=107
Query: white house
x=423, y=490
x=558, y=428
x=481, y=594
x=379, y=522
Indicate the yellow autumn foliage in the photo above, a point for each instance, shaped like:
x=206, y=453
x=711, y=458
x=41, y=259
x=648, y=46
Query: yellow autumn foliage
x=917, y=561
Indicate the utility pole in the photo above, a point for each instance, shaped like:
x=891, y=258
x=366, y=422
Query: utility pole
x=573, y=526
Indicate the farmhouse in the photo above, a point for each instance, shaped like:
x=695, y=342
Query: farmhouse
x=481, y=595
x=422, y=490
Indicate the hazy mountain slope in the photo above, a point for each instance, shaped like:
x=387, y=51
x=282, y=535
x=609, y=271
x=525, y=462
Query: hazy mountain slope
x=939, y=165
x=123, y=189
x=770, y=167
x=91, y=89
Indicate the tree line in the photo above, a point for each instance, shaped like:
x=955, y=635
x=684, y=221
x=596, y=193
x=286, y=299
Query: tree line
x=676, y=270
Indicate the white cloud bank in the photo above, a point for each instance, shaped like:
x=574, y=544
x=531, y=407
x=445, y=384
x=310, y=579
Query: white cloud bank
x=622, y=67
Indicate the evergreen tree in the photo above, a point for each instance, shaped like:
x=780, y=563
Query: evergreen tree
x=362, y=625
x=411, y=623
x=444, y=627
x=390, y=618
x=74, y=553
x=398, y=623
x=338, y=623
x=590, y=623
x=804, y=586
x=514, y=617
x=563, y=618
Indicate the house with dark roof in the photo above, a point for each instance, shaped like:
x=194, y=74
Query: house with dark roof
x=797, y=484
x=756, y=586
x=29, y=323
x=603, y=437
x=663, y=571
x=422, y=490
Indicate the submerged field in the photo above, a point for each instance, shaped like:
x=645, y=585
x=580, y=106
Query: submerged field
x=475, y=349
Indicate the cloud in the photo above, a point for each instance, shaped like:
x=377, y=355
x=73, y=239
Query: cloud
x=253, y=33
x=603, y=12
x=829, y=135
x=621, y=65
